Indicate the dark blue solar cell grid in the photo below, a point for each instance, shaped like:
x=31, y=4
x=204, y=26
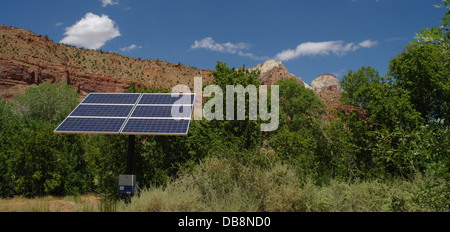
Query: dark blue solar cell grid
x=112, y=98
x=162, y=112
x=107, y=114
x=93, y=125
x=102, y=110
x=157, y=126
x=185, y=99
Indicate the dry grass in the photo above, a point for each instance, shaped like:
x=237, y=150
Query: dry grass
x=223, y=185
x=52, y=204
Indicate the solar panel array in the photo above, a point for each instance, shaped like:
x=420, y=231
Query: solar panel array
x=131, y=114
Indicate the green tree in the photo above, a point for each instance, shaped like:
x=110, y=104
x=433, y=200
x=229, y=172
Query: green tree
x=223, y=76
x=42, y=163
x=245, y=132
x=426, y=149
x=34, y=160
x=437, y=34
x=299, y=106
x=385, y=103
x=50, y=102
x=301, y=139
x=424, y=71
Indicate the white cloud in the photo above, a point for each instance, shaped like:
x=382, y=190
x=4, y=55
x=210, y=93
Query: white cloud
x=91, y=32
x=323, y=48
x=130, y=48
x=105, y=3
x=368, y=43
x=208, y=43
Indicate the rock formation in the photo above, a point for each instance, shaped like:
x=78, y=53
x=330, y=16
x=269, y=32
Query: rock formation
x=328, y=89
x=272, y=71
x=326, y=82
x=326, y=86
x=27, y=59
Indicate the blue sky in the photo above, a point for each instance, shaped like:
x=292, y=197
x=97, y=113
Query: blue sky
x=310, y=37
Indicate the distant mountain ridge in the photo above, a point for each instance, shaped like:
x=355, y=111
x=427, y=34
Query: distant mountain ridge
x=27, y=58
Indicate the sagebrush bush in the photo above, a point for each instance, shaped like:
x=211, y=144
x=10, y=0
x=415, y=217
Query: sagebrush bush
x=220, y=184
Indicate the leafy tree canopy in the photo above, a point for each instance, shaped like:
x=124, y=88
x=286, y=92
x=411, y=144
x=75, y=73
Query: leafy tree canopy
x=385, y=103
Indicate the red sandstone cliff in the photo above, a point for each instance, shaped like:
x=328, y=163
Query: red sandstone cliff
x=27, y=59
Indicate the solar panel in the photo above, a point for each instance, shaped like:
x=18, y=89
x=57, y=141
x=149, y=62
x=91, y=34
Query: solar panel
x=91, y=125
x=162, y=112
x=108, y=98
x=167, y=99
x=156, y=126
x=102, y=111
x=148, y=114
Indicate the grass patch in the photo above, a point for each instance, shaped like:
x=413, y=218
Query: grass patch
x=55, y=204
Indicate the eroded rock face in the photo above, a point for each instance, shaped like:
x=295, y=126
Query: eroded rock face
x=13, y=73
x=328, y=89
x=267, y=66
x=326, y=82
x=273, y=71
x=28, y=59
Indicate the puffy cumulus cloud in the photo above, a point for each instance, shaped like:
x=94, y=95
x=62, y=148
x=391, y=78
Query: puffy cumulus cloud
x=91, y=32
x=323, y=48
x=105, y=3
x=208, y=43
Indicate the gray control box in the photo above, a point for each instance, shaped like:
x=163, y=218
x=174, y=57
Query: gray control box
x=127, y=184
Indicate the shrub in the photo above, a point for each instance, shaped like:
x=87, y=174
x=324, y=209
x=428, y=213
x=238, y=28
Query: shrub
x=225, y=185
x=221, y=184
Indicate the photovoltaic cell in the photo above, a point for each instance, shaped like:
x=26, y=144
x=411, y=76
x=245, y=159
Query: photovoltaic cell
x=99, y=98
x=162, y=112
x=185, y=99
x=157, y=126
x=91, y=125
x=102, y=111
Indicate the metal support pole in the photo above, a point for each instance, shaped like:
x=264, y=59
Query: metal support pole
x=130, y=163
x=131, y=154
